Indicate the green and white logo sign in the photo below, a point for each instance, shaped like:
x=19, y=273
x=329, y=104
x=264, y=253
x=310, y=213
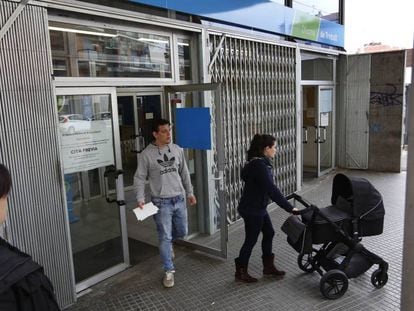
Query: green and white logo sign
x=305, y=26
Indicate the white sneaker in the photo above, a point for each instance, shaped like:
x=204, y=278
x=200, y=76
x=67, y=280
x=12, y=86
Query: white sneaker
x=168, y=279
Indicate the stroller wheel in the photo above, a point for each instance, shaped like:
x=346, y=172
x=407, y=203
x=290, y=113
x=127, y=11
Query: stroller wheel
x=305, y=262
x=379, y=278
x=334, y=284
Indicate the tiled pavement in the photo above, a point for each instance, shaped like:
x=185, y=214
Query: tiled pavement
x=207, y=283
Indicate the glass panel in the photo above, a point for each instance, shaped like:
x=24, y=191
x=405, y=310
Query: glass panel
x=326, y=9
x=184, y=60
x=79, y=51
x=310, y=152
x=203, y=220
x=325, y=128
x=127, y=133
x=320, y=69
x=147, y=108
x=87, y=147
x=135, y=129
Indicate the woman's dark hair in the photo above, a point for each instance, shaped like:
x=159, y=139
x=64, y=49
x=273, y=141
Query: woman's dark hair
x=258, y=144
x=5, y=181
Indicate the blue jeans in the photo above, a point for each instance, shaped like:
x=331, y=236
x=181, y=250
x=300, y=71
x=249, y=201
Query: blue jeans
x=171, y=221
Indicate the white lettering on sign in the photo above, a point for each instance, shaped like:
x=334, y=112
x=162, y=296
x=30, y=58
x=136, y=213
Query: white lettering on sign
x=308, y=32
x=329, y=36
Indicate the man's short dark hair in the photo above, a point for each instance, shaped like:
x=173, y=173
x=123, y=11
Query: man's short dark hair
x=5, y=181
x=157, y=123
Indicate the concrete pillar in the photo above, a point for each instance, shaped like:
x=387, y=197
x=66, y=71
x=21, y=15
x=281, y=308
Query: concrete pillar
x=407, y=297
x=385, y=111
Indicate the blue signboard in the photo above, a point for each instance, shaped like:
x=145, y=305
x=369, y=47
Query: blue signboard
x=193, y=128
x=262, y=15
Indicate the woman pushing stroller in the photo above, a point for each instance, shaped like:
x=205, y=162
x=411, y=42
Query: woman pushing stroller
x=259, y=187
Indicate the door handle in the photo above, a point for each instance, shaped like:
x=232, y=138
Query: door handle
x=323, y=140
x=305, y=134
x=316, y=134
x=139, y=143
x=111, y=171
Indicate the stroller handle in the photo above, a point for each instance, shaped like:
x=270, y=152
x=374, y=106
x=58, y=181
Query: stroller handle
x=308, y=206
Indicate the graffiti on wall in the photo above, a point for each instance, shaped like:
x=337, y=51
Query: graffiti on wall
x=376, y=128
x=389, y=97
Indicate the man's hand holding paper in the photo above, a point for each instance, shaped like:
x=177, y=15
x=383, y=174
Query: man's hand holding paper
x=145, y=211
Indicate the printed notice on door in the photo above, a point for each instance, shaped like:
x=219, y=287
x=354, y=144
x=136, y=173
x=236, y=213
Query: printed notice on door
x=88, y=147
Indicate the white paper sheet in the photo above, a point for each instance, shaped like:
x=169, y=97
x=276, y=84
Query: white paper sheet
x=148, y=210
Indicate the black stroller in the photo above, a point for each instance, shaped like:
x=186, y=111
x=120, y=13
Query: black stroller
x=357, y=211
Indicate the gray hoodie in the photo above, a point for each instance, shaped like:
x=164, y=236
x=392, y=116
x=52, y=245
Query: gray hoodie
x=166, y=171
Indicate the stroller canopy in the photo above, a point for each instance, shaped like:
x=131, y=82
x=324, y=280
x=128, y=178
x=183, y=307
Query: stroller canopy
x=366, y=201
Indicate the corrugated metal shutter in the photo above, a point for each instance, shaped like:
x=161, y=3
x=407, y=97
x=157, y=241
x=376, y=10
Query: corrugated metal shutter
x=353, y=111
x=29, y=146
x=258, y=96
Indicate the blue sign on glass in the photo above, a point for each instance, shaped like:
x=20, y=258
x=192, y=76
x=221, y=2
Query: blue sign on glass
x=193, y=128
x=261, y=15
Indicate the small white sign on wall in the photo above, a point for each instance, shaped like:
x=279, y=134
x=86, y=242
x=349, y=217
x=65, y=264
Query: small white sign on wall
x=324, y=119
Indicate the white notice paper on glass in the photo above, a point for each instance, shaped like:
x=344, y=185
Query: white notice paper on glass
x=148, y=210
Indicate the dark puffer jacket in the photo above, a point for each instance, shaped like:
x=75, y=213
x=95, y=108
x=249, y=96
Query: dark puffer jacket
x=259, y=188
x=23, y=284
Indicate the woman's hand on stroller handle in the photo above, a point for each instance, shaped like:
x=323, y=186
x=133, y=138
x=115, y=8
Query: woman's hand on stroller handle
x=297, y=211
x=308, y=206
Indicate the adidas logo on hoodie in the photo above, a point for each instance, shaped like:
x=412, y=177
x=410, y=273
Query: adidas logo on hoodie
x=168, y=164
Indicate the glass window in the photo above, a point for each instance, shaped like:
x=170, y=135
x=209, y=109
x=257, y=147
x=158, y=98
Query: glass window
x=326, y=9
x=184, y=60
x=95, y=52
x=320, y=69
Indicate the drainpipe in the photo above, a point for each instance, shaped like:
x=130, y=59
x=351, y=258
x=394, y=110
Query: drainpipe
x=407, y=297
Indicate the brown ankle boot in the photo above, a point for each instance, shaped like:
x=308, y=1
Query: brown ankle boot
x=242, y=274
x=269, y=267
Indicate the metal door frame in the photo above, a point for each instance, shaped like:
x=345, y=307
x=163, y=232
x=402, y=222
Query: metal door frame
x=119, y=183
x=214, y=87
x=318, y=129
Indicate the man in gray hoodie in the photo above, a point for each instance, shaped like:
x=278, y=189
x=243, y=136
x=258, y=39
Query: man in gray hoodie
x=163, y=164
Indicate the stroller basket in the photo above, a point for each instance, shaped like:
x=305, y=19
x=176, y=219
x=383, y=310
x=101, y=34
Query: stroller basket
x=298, y=235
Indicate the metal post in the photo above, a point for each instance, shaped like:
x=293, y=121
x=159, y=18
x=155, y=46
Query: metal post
x=407, y=298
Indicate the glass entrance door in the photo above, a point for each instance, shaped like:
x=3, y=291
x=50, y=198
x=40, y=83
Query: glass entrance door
x=136, y=111
x=135, y=114
x=91, y=159
x=317, y=127
x=324, y=130
x=207, y=220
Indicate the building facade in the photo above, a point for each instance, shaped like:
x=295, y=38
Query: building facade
x=81, y=82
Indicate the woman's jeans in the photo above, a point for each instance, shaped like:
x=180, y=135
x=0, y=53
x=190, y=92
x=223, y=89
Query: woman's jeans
x=171, y=221
x=253, y=225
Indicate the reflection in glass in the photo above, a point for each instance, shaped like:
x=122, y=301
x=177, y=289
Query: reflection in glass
x=325, y=125
x=320, y=69
x=184, y=60
x=91, y=52
x=326, y=9
x=94, y=224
